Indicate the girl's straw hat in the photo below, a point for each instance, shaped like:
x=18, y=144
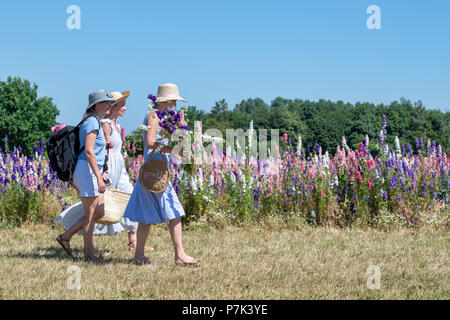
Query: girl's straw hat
x=119, y=96
x=167, y=92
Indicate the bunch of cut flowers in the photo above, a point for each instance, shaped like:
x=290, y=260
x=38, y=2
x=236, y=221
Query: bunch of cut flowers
x=174, y=127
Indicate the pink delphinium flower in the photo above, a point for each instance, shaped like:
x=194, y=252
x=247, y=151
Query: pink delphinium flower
x=369, y=185
x=285, y=137
x=359, y=177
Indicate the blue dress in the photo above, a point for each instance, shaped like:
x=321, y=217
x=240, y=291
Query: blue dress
x=148, y=207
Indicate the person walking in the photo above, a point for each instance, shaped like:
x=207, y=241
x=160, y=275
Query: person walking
x=147, y=207
x=116, y=170
x=87, y=176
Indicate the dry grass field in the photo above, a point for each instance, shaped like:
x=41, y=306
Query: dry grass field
x=238, y=263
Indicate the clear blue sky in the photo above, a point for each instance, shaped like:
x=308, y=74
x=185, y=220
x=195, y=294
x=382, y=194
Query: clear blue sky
x=229, y=49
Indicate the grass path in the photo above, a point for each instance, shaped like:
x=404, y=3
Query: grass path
x=311, y=263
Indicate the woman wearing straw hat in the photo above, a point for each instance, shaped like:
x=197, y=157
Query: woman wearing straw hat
x=147, y=207
x=87, y=175
x=116, y=169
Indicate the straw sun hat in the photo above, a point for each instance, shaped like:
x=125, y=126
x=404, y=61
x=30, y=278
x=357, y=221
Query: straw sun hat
x=167, y=92
x=119, y=96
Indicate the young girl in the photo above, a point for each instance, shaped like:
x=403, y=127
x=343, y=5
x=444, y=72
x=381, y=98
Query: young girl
x=147, y=207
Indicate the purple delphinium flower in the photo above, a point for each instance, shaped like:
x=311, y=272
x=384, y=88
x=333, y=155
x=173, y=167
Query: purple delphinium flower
x=417, y=143
x=152, y=97
x=424, y=187
x=410, y=150
x=399, y=199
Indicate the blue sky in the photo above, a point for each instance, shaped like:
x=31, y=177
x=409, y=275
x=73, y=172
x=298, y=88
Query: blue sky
x=229, y=49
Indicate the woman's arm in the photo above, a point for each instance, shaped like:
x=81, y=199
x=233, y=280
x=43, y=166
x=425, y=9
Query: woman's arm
x=90, y=156
x=150, y=136
x=107, y=132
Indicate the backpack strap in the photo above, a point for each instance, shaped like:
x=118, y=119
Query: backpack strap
x=81, y=123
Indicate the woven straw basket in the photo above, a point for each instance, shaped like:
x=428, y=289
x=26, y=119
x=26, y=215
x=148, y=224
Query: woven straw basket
x=115, y=204
x=154, y=174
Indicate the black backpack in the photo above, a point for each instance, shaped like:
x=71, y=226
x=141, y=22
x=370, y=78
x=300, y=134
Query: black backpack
x=63, y=149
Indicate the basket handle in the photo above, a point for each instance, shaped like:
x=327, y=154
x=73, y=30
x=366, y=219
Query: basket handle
x=162, y=153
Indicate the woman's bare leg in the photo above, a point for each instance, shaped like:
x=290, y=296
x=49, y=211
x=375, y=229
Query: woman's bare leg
x=175, y=234
x=132, y=237
x=142, y=235
x=93, y=210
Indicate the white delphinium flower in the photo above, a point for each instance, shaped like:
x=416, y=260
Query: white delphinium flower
x=326, y=160
x=250, y=136
x=299, y=146
x=243, y=183
x=233, y=178
x=335, y=181
x=200, y=178
x=367, y=140
x=250, y=183
x=344, y=144
x=386, y=149
x=194, y=184
x=397, y=146
x=211, y=180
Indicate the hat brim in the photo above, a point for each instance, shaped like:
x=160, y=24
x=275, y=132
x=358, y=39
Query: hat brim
x=125, y=95
x=101, y=100
x=164, y=99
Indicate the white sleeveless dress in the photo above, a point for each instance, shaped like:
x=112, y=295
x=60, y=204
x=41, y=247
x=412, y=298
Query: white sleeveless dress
x=120, y=180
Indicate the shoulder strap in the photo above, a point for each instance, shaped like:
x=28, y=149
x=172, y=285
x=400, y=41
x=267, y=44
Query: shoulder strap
x=81, y=123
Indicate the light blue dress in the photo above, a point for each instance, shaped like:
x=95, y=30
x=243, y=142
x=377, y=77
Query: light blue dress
x=148, y=207
x=83, y=176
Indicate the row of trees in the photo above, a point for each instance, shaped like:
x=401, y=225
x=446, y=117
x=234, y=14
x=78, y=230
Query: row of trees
x=26, y=119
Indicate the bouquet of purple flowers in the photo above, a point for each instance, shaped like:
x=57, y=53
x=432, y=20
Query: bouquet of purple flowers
x=170, y=121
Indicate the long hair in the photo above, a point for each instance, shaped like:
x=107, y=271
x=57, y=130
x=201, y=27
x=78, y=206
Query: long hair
x=89, y=112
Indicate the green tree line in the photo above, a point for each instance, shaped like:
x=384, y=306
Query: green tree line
x=325, y=122
x=26, y=118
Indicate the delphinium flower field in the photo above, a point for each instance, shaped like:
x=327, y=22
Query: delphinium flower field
x=29, y=190
x=401, y=186
x=396, y=188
